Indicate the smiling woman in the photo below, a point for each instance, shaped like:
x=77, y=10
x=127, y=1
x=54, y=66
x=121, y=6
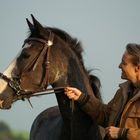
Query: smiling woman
x=118, y=115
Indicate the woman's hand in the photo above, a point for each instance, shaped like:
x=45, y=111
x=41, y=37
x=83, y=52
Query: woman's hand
x=73, y=93
x=113, y=132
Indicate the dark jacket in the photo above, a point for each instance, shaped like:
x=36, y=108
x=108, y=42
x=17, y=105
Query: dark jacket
x=108, y=114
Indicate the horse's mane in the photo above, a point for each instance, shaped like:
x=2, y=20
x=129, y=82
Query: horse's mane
x=74, y=44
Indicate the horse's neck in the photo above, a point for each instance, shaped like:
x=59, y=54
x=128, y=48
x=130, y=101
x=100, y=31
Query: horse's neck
x=75, y=77
x=74, y=118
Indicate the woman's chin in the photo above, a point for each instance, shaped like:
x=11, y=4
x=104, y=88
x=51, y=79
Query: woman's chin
x=123, y=77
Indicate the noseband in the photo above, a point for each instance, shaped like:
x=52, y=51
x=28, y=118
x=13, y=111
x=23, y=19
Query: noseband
x=15, y=84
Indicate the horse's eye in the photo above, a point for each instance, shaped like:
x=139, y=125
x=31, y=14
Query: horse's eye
x=25, y=55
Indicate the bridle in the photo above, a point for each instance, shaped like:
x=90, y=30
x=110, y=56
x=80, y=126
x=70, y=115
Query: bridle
x=14, y=84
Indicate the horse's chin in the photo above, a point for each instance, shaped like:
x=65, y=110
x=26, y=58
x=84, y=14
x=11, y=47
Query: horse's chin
x=4, y=105
x=7, y=107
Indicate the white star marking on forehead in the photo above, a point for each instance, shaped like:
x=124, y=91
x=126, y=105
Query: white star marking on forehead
x=27, y=45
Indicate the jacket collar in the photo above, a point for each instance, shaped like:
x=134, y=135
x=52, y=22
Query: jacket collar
x=125, y=89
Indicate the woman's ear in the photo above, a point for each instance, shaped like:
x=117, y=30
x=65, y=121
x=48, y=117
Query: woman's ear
x=137, y=68
x=138, y=71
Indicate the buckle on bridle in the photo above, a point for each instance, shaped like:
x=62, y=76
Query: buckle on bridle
x=15, y=86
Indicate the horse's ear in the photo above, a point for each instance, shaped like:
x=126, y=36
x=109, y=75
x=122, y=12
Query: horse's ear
x=38, y=27
x=31, y=27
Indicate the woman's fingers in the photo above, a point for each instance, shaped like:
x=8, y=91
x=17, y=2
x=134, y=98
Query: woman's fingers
x=113, y=132
x=73, y=93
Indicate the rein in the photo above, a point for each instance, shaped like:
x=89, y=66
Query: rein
x=27, y=94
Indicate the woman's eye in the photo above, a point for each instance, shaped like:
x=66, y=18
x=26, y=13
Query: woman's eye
x=124, y=63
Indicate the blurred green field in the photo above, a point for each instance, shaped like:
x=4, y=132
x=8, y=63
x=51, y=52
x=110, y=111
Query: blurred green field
x=6, y=133
x=20, y=134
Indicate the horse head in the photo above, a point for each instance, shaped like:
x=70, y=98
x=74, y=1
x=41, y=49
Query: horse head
x=36, y=66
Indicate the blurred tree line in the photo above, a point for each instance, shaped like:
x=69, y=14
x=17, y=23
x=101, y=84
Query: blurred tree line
x=6, y=133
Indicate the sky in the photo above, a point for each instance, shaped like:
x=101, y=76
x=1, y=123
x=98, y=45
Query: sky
x=104, y=28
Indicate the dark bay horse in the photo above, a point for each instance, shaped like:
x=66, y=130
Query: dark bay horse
x=46, y=59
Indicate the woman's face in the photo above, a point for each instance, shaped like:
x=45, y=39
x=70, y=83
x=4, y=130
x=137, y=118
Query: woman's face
x=129, y=70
